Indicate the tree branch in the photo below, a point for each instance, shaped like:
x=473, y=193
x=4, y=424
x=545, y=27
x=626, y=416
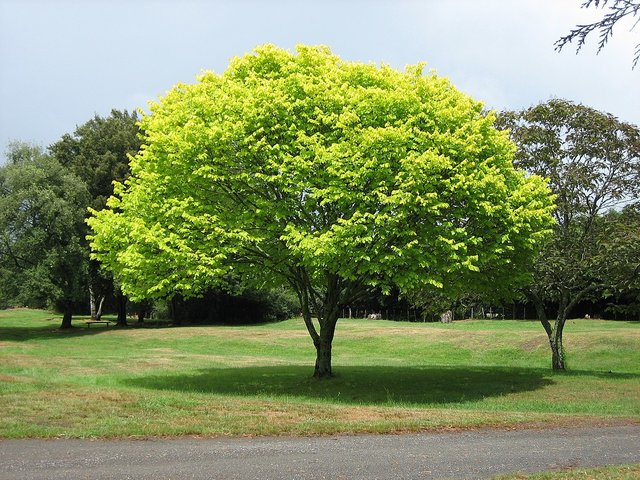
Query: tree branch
x=618, y=9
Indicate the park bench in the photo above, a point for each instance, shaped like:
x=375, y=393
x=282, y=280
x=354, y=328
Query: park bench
x=93, y=322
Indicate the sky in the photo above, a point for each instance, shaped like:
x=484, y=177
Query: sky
x=64, y=61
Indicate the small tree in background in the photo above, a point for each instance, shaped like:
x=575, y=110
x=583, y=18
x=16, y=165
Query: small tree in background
x=329, y=176
x=592, y=161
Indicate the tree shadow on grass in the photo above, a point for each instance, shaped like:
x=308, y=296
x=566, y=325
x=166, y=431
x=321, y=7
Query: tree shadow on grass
x=381, y=385
x=25, y=334
x=79, y=329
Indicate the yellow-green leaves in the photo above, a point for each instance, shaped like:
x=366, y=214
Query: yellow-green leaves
x=302, y=160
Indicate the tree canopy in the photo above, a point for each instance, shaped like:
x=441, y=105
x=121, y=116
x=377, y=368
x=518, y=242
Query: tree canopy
x=332, y=177
x=98, y=152
x=621, y=240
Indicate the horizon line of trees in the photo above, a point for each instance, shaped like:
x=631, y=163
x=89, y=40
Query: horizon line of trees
x=590, y=264
x=45, y=197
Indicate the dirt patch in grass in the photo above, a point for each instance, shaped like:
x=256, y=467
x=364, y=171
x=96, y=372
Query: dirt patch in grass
x=589, y=340
x=13, y=379
x=240, y=360
x=22, y=360
x=215, y=331
x=533, y=344
x=382, y=331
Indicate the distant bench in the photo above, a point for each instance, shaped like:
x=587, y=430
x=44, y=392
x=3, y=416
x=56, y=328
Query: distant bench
x=93, y=322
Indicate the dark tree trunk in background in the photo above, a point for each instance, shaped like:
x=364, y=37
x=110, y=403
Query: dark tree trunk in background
x=174, y=314
x=92, y=302
x=121, y=300
x=141, y=313
x=66, y=317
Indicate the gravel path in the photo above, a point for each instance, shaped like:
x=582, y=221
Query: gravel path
x=476, y=454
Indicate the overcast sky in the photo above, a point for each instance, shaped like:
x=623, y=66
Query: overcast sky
x=61, y=62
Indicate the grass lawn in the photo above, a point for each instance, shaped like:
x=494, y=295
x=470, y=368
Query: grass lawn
x=255, y=380
x=621, y=472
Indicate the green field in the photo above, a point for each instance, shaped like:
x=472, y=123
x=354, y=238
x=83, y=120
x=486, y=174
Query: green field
x=618, y=472
x=256, y=380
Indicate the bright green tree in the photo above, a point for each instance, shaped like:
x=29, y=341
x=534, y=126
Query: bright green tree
x=332, y=177
x=43, y=254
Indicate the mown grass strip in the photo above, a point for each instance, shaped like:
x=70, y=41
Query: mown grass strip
x=620, y=472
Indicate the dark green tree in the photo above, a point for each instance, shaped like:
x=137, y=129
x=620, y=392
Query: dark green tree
x=592, y=161
x=98, y=153
x=621, y=239
x=43, y=256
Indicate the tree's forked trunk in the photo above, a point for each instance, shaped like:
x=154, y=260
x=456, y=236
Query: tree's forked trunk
x=557, y=354
x=554, y=334
x=327, y=311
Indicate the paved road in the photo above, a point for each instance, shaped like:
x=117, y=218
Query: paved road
x=466, y=455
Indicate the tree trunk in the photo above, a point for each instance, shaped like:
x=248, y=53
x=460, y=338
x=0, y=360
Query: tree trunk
x=323, y=360
x=99, y=311
x=327, y=309
x=92, y=302
x=121, y=320
x=554, y=333
x=557, y=350
x=66, y=317
x=557, y=354
x=323, y=345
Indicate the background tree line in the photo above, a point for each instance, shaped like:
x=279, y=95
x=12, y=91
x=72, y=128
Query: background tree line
x=44, y=255
x=590, y=158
